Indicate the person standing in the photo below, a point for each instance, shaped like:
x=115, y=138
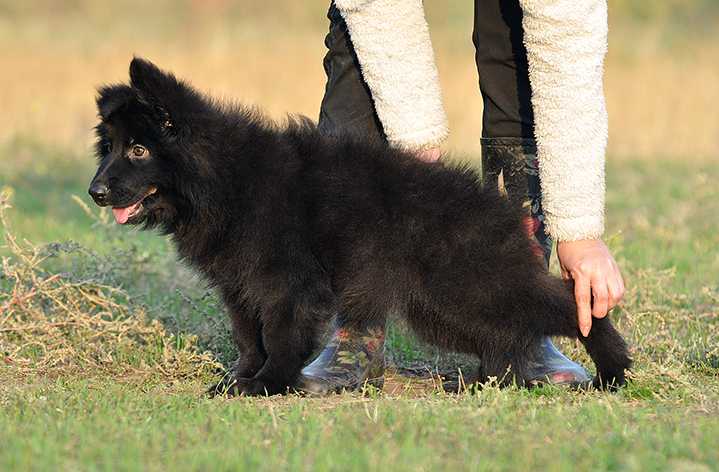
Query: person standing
x=544, y=132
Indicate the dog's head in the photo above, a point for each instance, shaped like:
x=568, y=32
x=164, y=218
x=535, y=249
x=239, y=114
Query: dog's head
x=141, y=145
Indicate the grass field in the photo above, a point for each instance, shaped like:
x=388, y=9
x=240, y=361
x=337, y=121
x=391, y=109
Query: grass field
x=141, y=418
x=107, y=345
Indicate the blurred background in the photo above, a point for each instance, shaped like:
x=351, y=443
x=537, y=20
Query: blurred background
x=662, y=71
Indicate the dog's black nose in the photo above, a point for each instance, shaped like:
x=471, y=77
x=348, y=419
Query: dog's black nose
x=99, y=192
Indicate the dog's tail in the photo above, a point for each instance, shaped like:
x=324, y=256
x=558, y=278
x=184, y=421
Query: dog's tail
x=604, y=344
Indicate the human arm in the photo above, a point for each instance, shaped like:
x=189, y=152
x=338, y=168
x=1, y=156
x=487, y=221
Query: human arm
x=566, y=42
x=392, y=43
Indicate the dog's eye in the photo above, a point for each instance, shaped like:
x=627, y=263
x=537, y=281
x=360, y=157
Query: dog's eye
x=138, y=152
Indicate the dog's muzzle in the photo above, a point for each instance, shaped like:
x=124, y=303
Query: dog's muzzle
x=100, y=193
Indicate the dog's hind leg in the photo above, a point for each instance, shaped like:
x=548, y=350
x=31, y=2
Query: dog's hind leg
x=505, y=364
x=501, y=358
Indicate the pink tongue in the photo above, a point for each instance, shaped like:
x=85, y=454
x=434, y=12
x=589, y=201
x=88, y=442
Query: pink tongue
x=123, y=214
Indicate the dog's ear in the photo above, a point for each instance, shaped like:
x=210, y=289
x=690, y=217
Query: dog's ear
x=111, y=98
x=147, y=78
x=160, y=90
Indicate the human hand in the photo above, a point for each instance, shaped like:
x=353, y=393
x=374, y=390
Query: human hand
x=596, y=276
x=430, y=154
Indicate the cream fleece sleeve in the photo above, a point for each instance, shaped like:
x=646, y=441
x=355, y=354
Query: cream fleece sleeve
x=566, y=41
x=392, y=42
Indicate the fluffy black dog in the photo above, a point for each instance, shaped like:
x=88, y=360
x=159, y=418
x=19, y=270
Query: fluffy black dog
x=294, y=228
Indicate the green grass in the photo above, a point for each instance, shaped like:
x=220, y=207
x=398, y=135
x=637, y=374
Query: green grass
x=663, y=215
x=662, y=224
x=98, y=425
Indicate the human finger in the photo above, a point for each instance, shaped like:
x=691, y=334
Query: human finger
x=582, y=294
x=620, y=279
x=600, y=296
x=616, y=291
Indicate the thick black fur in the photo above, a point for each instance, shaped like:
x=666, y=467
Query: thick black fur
x=294, y=227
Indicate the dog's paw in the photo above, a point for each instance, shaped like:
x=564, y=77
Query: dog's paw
x=225, y=387
x=255, y=387
x=234, y=386
x=609, y=382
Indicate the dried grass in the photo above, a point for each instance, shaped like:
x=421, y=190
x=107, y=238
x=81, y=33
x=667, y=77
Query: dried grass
x=54, y=325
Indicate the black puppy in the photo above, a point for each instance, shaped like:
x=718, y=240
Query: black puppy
x=295, y=228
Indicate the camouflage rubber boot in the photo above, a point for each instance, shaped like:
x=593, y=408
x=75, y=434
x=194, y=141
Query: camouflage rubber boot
x=351, y=360
x=511, y=164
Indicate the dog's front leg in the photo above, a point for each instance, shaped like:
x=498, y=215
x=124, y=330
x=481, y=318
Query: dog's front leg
x=247, y=334
x=291, y=330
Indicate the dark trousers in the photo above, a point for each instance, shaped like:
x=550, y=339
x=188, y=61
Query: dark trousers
x=501, y=62
x=508, y=148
